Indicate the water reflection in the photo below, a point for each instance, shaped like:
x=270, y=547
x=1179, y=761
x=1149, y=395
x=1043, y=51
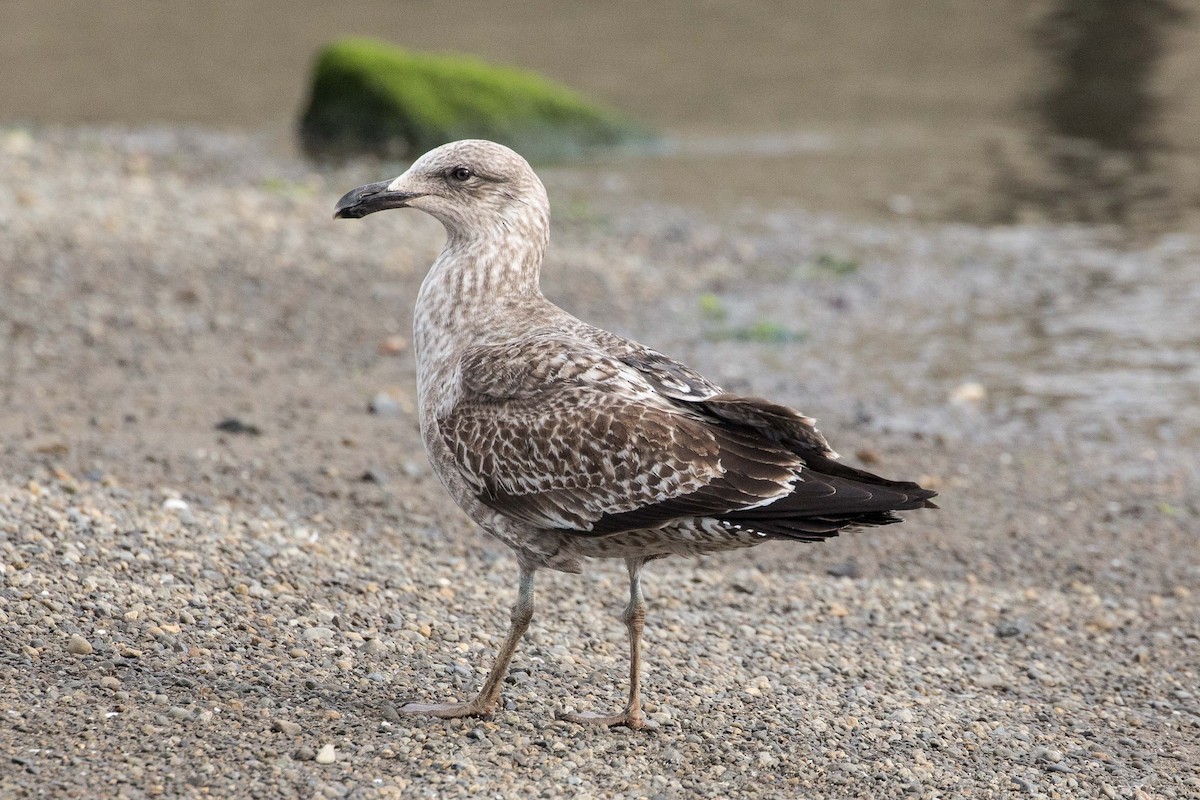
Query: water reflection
x=1104, y=54
x=1095, y=155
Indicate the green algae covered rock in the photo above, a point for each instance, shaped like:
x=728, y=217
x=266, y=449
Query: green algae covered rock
x=369, y=96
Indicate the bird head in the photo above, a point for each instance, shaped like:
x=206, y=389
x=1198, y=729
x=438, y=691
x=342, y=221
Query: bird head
x=470, y=185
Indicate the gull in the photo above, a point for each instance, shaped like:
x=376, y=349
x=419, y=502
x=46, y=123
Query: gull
x=567, y=442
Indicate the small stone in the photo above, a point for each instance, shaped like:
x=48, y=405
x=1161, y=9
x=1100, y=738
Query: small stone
x=385, y=405
x=867, y=456
x=237, y=426
x=326, y=755
x=79, y=646
x=847, y=569
x=374, y=475
x=109, y=682
x=1011, y=628
x=1041, y=676
x=969, y=395
x=304, y=753
x=288, y=727
x=393, y=345
x=1053, y=756
x=318, y=634
x=990, y=680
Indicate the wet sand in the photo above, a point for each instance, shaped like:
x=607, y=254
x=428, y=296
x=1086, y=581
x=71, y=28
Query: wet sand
x=250, y=599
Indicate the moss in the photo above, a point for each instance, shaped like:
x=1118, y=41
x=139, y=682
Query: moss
x=711, y=308
x=369, y=96
x=834, y=265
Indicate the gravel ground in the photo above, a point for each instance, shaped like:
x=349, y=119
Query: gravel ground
x=238, y=611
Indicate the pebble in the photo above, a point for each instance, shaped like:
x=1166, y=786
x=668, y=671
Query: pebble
x=287, y=727
x=846, y=569
x=326, y=755
x=1012, y=628
x=991, y=680
x=385, y=405
x=374, y=475
x=109, y=682
x=392, y=345
x=237, y=426
x=1048, y=754
x=318, y=634
x=79, y=646
x=970, y=394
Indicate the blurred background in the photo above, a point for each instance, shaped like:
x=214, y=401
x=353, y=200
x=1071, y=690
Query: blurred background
x=935, y=109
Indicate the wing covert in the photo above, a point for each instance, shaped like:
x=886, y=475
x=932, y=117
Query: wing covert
x=578, y=440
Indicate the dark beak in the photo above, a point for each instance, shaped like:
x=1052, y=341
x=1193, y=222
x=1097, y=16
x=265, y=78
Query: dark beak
x=368, y=199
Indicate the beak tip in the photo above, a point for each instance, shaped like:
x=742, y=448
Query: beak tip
x=358, y=203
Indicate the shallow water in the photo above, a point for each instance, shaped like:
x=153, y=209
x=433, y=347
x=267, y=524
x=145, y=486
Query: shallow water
x=1065, y=336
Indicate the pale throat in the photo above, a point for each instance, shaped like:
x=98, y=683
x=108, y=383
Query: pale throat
x=473, y=275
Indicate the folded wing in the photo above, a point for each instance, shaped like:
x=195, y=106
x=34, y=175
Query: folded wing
x=580, y=440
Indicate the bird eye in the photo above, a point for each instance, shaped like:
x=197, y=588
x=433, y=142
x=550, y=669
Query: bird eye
x=461, y=173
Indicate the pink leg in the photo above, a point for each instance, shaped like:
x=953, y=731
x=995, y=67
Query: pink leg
x=485, y=702
x=635, y=619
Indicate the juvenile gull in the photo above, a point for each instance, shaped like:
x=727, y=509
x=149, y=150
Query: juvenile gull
x=567, y=442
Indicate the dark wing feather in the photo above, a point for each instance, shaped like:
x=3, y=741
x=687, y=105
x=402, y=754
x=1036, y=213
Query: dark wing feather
x=828, y=496
x=576, y=439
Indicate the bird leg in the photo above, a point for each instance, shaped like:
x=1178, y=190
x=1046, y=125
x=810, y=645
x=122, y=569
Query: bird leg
x=635, y=619
x=485, y=702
